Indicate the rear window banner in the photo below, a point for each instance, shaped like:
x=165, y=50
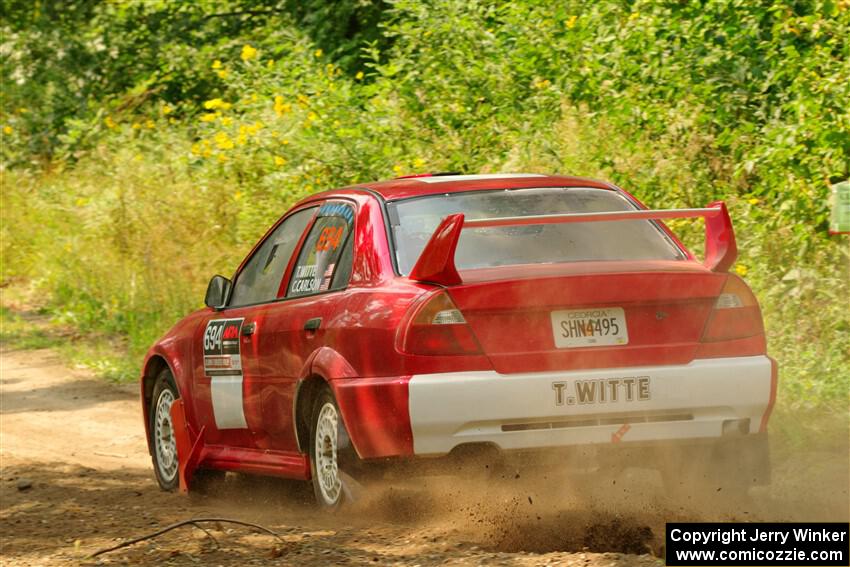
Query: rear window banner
x=222, y=355
x=337, y=210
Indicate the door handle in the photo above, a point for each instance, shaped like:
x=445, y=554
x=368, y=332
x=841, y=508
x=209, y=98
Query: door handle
x=249, y=329
x=313, y=324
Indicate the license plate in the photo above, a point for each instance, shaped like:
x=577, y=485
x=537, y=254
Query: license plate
x=605, y=326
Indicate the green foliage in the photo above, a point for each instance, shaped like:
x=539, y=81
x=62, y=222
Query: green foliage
x=183, y=155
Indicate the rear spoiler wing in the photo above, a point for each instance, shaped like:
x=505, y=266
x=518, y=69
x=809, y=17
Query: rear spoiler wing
x=436, y=264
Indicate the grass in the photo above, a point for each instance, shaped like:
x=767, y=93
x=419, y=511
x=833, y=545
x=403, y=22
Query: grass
x=31, y=330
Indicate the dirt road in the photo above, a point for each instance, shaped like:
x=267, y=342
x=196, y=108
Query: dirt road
x=76, y=477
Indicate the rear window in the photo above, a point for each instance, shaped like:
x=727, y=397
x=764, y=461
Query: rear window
x=414, y=220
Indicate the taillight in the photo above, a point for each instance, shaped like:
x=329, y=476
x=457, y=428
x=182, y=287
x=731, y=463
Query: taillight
x=438, y=327
x=736, y=314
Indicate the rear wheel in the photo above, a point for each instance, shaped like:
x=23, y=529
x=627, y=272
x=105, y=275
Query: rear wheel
x=163, y=443
x=329, y=448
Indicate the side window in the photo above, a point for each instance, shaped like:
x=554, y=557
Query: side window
x=259, y=280
x=325, y=260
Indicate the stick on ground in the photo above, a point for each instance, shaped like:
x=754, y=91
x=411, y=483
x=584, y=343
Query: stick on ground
x=189, y=522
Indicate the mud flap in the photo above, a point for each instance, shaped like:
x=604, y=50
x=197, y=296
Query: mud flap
x=189, y=445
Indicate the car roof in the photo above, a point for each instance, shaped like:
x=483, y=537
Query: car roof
x=417, y=186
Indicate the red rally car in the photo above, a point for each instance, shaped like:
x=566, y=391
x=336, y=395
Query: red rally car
x=427, y=315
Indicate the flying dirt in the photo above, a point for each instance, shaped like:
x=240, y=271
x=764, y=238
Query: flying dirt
x=76, y=478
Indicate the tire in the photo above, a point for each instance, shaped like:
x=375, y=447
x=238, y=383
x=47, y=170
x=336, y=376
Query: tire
x=163, y=444
x=329, y=449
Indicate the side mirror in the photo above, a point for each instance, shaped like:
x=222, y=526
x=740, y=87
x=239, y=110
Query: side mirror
x=217, y=292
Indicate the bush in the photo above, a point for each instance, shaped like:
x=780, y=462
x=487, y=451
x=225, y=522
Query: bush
x=681, y=104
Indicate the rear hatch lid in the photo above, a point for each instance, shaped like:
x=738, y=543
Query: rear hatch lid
x=588, y=315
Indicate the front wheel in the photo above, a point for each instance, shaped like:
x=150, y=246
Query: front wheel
x=163, y=443
x=328, y=443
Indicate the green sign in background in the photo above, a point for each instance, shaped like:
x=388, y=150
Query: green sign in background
x=840, y=200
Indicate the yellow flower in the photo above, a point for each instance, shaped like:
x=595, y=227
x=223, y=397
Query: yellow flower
x=149, y=124
x=109, y=122
x=209, y=116
x=222, y=73
x=248, y=52
x=319, y=53
x=270, y=64
x=80, y=202
x=397, y=169
x=237, y=195
x=222, y=158
x=281, y=107
x=226, y=120
x=418, y=163
x=7, y=129
x=279, y=161
x=359, y=75
x=753, y=201
x=303, y=100
x=223, y=141
x=196, y=149
x=741, y=269
x=312, y=116
x=633, y=16
x=571, y=23
x=214, y=103
x=167, y=110
x=136, y=125
x=216, y=64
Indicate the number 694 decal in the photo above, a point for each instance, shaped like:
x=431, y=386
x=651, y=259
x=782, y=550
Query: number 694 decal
x=222, y=356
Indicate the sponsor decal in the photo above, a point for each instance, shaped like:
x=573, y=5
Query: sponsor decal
x=222, y=356
x=602, y=390
x=326, y=279
x=223, y=364
x=618, y=435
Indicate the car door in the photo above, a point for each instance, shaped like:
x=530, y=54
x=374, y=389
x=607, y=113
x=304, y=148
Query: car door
x=227, y=378
x=304, y=320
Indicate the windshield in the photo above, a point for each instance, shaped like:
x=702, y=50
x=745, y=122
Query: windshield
x=414, y=221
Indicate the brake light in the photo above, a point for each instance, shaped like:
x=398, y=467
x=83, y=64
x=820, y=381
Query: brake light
x=736, y=313
x=438, y=327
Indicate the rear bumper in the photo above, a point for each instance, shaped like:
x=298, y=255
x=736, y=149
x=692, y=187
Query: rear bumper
x=656, y=403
